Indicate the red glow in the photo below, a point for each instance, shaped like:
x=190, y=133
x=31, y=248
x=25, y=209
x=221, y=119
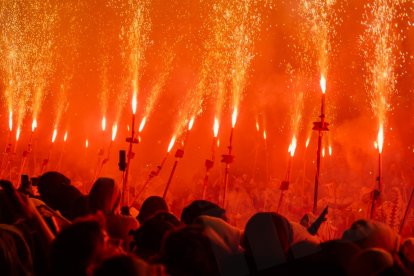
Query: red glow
x=191, y=123
x=54, y=135
x=380, y=139
x=134, y=103
x=323, y=84
x=292, y=146
x=234, y=117
x=34, y=124
x=103, y=123
x=114, y=131
x=216, y=127
x=17, y=134
x=170, y=146
x=11, y=120
x=142, y=124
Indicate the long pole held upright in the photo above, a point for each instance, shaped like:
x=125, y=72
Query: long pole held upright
x=320, y=126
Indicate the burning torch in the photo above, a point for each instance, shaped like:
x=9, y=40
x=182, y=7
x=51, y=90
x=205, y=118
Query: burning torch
x=229, y=158
x=46, y=161
x=320, y=127
x=377, y=192
x=284, y=186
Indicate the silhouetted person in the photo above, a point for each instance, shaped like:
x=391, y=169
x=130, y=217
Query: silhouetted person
x=202, y=207
x=105, y=197
x=78, y=248
x=151, y=206
x=125, y=265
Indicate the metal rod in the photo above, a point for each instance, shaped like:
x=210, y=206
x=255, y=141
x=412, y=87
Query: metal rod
x=406, y=212
x=169, y=179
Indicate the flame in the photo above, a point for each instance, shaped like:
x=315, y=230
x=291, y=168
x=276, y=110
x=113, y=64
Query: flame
x=257, y=126
x=191, y=123
x=65, y=137
x=54, y=135
x=323, y=84
x=218, y=142
x=128, y=128
x=142, y=124
x=86, y=143
x=114, y=130
x=11, y=120
x=171, y=144
x=292, y=146
x=375, y=145
x=380, y=139
x=17, y=134
x=216, y=127
x=330, y=150
x=307, y=142
x=34, y=124
x=134, y=103
x=323, y=152
x=264, y=134
x=234, y=117
x=103, y=123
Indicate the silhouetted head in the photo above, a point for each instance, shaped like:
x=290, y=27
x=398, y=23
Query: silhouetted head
x=202, y=208
x=125, y=265
x=370, y=234
x=189, y=251
x=267, y=238
x=15, y=255
x=151, y=206
x=104, y=195
x=78, y=247
x=149, y=236
x=57, y=192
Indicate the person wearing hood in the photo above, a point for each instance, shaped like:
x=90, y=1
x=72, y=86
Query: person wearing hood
x=105, y=197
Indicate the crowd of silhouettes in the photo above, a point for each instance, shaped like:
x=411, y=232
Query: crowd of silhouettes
x=55, y=230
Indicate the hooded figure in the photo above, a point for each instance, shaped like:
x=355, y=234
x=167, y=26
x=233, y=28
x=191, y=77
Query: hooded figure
x=150, y=207
x=57, y=192
x=202, y=207
x=267, y=237
x=370, y=234
x=105, y=197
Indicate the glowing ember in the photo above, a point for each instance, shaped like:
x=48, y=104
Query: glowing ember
x=11, y=120
x=191, y=123
x=216, y=127
x=114, y=131
x=142, y=124
x=34, y=124
x=323, y=84
x=54, y=135
x=380, y=139
x=17, y=134
x=86, y=143
x=330, y=150
x=65, y=137
x=264, y=134
x=134, y=103
x=257, y=126
x=103, y=123
x=323, y=152
x=307, y=142
x=234, y=117
x=292, y=146
x=170, y=146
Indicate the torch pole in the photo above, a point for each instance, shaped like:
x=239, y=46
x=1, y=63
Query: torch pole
x=150, y=177
x=164, y=195
x=320, y=126
x=125, y=194
x=46, y=161
x=226, y=170
x=178, y=155
x=377, y=192
x=24, y=158
x=406, y=212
